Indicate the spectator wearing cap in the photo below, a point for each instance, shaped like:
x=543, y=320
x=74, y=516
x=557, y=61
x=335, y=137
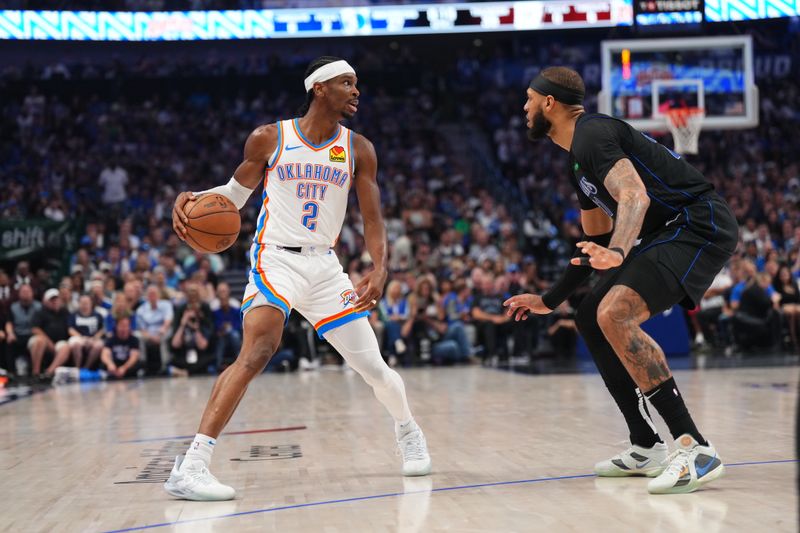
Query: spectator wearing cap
x=20, y=323
x=86, y=333
x=154, y=319
x=50, y=330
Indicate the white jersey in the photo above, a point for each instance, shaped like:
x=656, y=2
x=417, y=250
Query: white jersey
x=306, y=188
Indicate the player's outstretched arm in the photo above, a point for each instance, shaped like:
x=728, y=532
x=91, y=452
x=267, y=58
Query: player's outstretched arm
x=261, y=143
x=370, y=288
x=597, y=226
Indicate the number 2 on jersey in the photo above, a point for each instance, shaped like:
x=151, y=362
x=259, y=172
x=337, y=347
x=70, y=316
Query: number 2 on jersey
x=310, y=212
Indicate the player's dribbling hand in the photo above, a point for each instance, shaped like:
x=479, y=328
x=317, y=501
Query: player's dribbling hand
x=520, y=305
x=370, y=289
x=599, y=257
x=179, y=219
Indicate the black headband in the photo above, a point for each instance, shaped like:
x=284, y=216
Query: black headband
x=565, y=95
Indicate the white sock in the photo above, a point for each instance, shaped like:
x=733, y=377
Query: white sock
x=201, y=449
x=402, y=429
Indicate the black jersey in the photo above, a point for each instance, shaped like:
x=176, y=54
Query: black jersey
x=600, y=141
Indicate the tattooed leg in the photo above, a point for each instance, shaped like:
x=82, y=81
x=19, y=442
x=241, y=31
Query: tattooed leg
x=620, y=315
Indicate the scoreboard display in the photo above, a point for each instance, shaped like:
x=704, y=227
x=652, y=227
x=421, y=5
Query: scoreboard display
x=668, y=12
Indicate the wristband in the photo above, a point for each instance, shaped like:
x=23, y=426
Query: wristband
x=233, y=191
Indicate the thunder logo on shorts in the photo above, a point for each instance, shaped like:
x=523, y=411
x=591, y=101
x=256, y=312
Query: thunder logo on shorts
x=348, y=297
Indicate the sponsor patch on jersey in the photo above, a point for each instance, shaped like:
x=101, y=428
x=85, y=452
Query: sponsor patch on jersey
x=349, y=296
x=337, y=154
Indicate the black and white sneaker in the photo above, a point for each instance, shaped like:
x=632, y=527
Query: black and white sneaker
x=635, y=461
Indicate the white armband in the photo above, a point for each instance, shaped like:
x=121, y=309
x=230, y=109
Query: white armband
x=233, y=191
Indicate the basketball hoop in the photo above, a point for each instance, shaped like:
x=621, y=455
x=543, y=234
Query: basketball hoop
x=685, y=124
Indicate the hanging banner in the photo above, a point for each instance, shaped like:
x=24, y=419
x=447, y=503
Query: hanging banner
x=24, y=239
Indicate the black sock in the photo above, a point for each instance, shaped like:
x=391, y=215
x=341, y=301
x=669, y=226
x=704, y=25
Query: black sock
x=633, y=407
x=669, y=403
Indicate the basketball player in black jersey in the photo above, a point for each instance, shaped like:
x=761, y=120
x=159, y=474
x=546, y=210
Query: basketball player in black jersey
x=657, y=234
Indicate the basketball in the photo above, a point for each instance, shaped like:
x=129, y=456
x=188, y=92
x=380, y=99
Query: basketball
x=213, y=224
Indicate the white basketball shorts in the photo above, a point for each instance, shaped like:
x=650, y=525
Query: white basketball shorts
x=312, y=282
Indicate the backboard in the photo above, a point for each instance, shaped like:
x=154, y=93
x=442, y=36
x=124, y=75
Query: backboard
x=643, y=78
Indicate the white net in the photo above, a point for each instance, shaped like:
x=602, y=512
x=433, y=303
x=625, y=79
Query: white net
x=685, y=125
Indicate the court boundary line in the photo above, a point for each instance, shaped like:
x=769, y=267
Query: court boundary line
x=228, y=433
x=396, y=494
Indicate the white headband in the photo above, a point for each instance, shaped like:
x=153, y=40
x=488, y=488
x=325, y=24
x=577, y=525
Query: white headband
x=326, y=72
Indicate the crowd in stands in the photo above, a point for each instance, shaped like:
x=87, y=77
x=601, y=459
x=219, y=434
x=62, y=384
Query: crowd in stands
x=135, y=300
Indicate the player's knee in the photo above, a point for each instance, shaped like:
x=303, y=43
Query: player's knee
x=375, y=372
x=258, y=353
x=613, y=314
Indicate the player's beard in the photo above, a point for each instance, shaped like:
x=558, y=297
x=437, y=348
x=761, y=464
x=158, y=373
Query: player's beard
x=540, y=127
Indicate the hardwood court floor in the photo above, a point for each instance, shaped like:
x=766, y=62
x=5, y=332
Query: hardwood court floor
x=511, y=452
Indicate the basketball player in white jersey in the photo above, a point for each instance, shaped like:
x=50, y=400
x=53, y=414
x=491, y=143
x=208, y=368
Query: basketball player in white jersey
x=308, y=165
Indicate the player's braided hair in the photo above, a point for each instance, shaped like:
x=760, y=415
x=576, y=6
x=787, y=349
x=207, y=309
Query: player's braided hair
x=314, y=65
x=566, y=77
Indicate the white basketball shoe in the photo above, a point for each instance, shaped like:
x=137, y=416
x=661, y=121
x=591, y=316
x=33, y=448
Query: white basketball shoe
x=416, y=460
x=191, y=480
x=635, y=461
x=690, y=467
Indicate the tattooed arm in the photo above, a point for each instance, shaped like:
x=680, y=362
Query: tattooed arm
x=627, y=188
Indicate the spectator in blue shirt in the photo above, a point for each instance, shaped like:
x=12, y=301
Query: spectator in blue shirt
x=121, y=308
x=395, y=310
x=456, y=312
x=154, y=319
